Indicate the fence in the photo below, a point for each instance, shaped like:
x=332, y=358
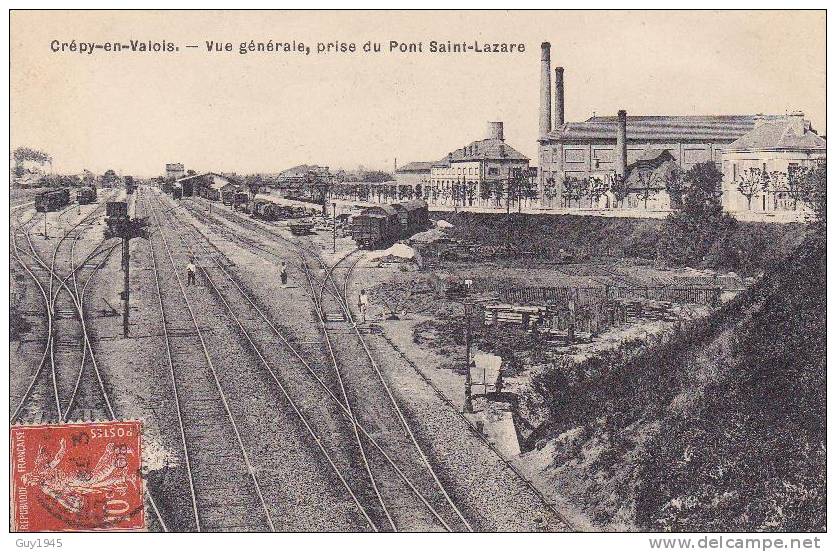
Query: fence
x=585, y=296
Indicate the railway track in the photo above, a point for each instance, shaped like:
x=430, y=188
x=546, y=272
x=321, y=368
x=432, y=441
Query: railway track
x=66, y=341
x=367, y=402
x=224, y=491
x=88, y=398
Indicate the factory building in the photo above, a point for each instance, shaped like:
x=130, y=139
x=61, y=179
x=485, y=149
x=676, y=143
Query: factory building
x=413, y=176
x=606, y=146
x=774, y=146
x=173, y=171
x=476, y=168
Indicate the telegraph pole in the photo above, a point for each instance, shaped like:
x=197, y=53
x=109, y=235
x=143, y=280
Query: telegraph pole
x=335, y=225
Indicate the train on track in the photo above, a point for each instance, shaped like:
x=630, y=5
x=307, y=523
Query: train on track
x=86, y=195
x=271, y=207
x=52, y=200
x=383, y=225
x=130, y=184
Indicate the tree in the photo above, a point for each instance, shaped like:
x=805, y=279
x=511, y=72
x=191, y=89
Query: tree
x=618, y=187
x=24, y=153
x=550, y=190
x=700, y=225
x=798, y=180
x=597, y=188
x=574, y=189
x=377, y=176
x=647, y=181
x=749, y=183
x=816, y=190
x=190, y=172
x=672, y=177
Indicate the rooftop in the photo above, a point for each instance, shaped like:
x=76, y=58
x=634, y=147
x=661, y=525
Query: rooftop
x=661, y=127
x=415, y=166
x=788, y=133
x=481, y=150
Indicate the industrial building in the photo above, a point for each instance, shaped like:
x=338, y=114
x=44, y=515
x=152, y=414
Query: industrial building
x=173, y=171
x=476, y=168
x=774, y=146
x=607, y=146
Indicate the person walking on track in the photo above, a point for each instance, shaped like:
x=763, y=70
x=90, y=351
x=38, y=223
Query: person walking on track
x=283, y=274
x=191, y=269
x=363, y=304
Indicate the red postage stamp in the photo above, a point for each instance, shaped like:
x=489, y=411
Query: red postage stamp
x=77, y=477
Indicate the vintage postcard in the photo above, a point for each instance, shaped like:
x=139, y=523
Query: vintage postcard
x=419, y=271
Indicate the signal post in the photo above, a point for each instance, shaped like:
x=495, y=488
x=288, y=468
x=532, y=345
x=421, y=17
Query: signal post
x=120, y=225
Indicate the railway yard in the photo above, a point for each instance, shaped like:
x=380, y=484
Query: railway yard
x=264, y=408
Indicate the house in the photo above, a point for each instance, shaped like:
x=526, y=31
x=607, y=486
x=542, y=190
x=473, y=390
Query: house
x=759, y=167
x=473, y=174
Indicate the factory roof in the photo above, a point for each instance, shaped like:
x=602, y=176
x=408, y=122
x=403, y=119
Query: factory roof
x=661, y=128
x=300, y=171
x=201, y=175
x=784, y=134
x=648, y=155
x=415, y=166
x=481, y=150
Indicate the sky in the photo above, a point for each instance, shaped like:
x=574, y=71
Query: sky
x=268, y=111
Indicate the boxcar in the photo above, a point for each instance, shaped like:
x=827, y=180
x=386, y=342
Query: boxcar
x=376, y=226
x=52, y=200
x=242, y=201
x=85, y=195
x=228, y=196
x=414, y=216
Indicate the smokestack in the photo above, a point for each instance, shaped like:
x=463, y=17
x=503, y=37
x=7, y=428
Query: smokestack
x=558, y=97
x=621, y=144
x=496, y=131
x=545, y=89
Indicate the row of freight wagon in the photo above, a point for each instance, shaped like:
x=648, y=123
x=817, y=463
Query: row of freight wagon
x=374, y=227
x=53, y=200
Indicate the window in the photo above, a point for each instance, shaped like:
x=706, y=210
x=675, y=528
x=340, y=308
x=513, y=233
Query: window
x=493, y=171
x=734, y=171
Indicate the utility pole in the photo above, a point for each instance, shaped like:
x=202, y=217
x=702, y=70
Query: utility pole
x=468, y=383
x=334, y=221
x=120, y=225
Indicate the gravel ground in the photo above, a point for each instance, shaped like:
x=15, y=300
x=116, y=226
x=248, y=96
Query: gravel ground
x=300, y=489
x=492, y=496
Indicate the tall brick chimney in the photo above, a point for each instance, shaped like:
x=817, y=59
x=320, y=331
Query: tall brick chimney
x=545, y=89
x=621, y=144
x=559, y=116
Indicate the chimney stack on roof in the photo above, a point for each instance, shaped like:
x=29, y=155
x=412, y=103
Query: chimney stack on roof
x=496, y=131
x=797, y=122
x=621, y=144
x=559, y=116
x=545, y=89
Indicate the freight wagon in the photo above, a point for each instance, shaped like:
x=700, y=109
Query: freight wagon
x=86, y=195
x=52, y=200
x=228, y=195
x=376, y=226
x=382, y=225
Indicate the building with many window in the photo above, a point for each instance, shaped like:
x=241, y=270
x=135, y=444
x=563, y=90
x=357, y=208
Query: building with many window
x=605, y=146
x=758, y=167
x=477, y=173
x=173, y=171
